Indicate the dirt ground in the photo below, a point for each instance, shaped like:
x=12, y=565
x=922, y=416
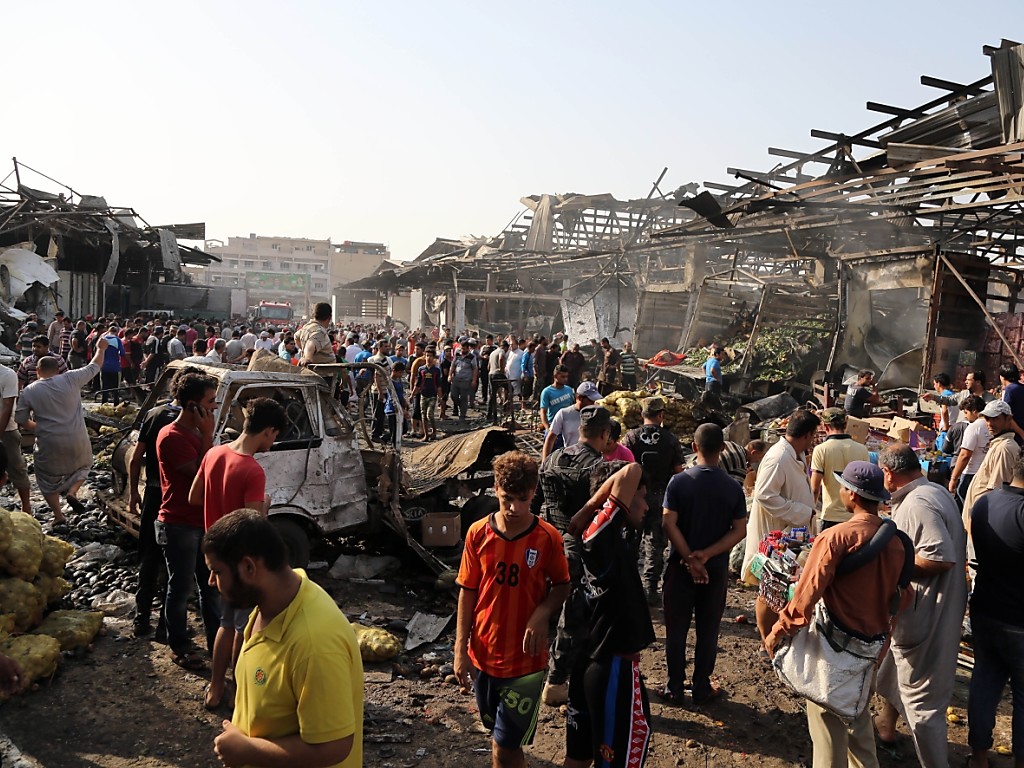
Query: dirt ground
x=124, y=704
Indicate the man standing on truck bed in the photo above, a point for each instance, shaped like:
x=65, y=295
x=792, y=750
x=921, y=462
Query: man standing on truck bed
x=313, y=340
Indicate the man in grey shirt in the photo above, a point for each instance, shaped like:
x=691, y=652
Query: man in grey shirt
x=234, y=352
x=51, y=407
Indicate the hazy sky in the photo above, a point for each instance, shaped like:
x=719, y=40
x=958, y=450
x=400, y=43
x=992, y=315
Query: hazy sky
x=403, y=121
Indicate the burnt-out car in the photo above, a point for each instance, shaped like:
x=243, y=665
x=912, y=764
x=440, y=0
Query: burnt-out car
x=324, y=475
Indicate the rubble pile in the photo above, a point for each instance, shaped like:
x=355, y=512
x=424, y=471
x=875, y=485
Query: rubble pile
x=32, y=569
x=117, y=420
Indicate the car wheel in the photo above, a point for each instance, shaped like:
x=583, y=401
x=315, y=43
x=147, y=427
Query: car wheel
x=295, y=539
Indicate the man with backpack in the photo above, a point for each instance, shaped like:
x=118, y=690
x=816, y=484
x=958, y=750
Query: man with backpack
x=659, y=452
x=565, y=489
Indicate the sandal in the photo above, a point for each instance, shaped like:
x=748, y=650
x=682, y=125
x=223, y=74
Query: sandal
x=715, y=693
x=190, y=660
x=668, y=698
x=76, y=505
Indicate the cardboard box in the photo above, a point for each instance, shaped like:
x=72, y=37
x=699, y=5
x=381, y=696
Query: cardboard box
x=858, y=429
x=901, y=429
x=441, y=529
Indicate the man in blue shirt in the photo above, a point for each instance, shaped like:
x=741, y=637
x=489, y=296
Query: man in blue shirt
x=556, y=396
x=110, y=371
x=1013, y=395
x=713, y=372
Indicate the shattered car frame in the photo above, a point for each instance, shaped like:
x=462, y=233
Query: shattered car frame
x=324, y=477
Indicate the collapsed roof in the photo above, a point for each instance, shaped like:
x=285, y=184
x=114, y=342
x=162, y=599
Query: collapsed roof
x=83, y=233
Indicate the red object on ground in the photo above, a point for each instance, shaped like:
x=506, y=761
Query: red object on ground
x=666, y=358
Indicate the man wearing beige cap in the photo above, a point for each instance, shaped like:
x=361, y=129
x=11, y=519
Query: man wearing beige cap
x=829, y=457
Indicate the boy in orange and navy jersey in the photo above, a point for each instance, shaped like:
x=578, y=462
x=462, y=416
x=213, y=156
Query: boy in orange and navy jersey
x=514, y=578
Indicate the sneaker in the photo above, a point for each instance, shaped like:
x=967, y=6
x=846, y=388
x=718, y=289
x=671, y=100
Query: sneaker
x=555, y=694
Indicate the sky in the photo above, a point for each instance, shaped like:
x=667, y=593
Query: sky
x=399, y=122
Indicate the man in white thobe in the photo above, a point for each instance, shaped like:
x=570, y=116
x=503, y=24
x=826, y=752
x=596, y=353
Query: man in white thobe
x=916, y=676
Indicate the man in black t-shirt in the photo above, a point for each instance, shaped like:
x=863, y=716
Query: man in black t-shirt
x=564, y=489
x=997, y=612
x=484, y=361
x=155, y=355
x=704, y=516
x=150, y=555
x=862, y=395
x=608, y=719
x=659, y=452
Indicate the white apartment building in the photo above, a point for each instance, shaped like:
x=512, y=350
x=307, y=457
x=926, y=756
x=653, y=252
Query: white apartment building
x=294, y=269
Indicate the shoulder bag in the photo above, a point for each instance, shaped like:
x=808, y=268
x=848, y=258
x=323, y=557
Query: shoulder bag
x=830, y=665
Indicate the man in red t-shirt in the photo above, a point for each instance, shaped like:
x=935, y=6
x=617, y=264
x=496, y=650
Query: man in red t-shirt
x=229, y=478
x=180, y=447
x=514, y=578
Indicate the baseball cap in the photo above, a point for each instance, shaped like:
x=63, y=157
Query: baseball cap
x=864, y=479
x=652, y=405
x=595, y=415
x=589, y=390
x=183, y=327
x=833, y=416
x=158, y=329
x=997, y=408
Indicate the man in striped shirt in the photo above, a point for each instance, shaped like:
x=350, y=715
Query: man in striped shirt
x=514, y=578
x=628, y=366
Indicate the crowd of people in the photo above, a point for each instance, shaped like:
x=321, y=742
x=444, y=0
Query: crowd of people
x=605, y=526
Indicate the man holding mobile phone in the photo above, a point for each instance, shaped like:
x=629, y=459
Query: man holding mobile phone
x=180, y=448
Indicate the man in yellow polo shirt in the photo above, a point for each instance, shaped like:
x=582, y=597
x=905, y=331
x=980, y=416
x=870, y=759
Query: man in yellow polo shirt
x=299, y=676
x=829, y=457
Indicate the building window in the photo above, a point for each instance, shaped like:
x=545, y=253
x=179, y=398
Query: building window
x=275, y=247
x=309, y=248
x=248, y=264
x=319, y=286
x=318, y=267
x=214, y=278
x=267, y=265
x=285, y=266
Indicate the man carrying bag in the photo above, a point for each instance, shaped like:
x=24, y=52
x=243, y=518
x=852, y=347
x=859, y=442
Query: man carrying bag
x=840, y=619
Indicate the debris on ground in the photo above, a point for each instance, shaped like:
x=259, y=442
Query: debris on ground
x=425, y=628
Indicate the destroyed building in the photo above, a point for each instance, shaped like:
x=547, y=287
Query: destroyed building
x=895, y=247
x=81, y=254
